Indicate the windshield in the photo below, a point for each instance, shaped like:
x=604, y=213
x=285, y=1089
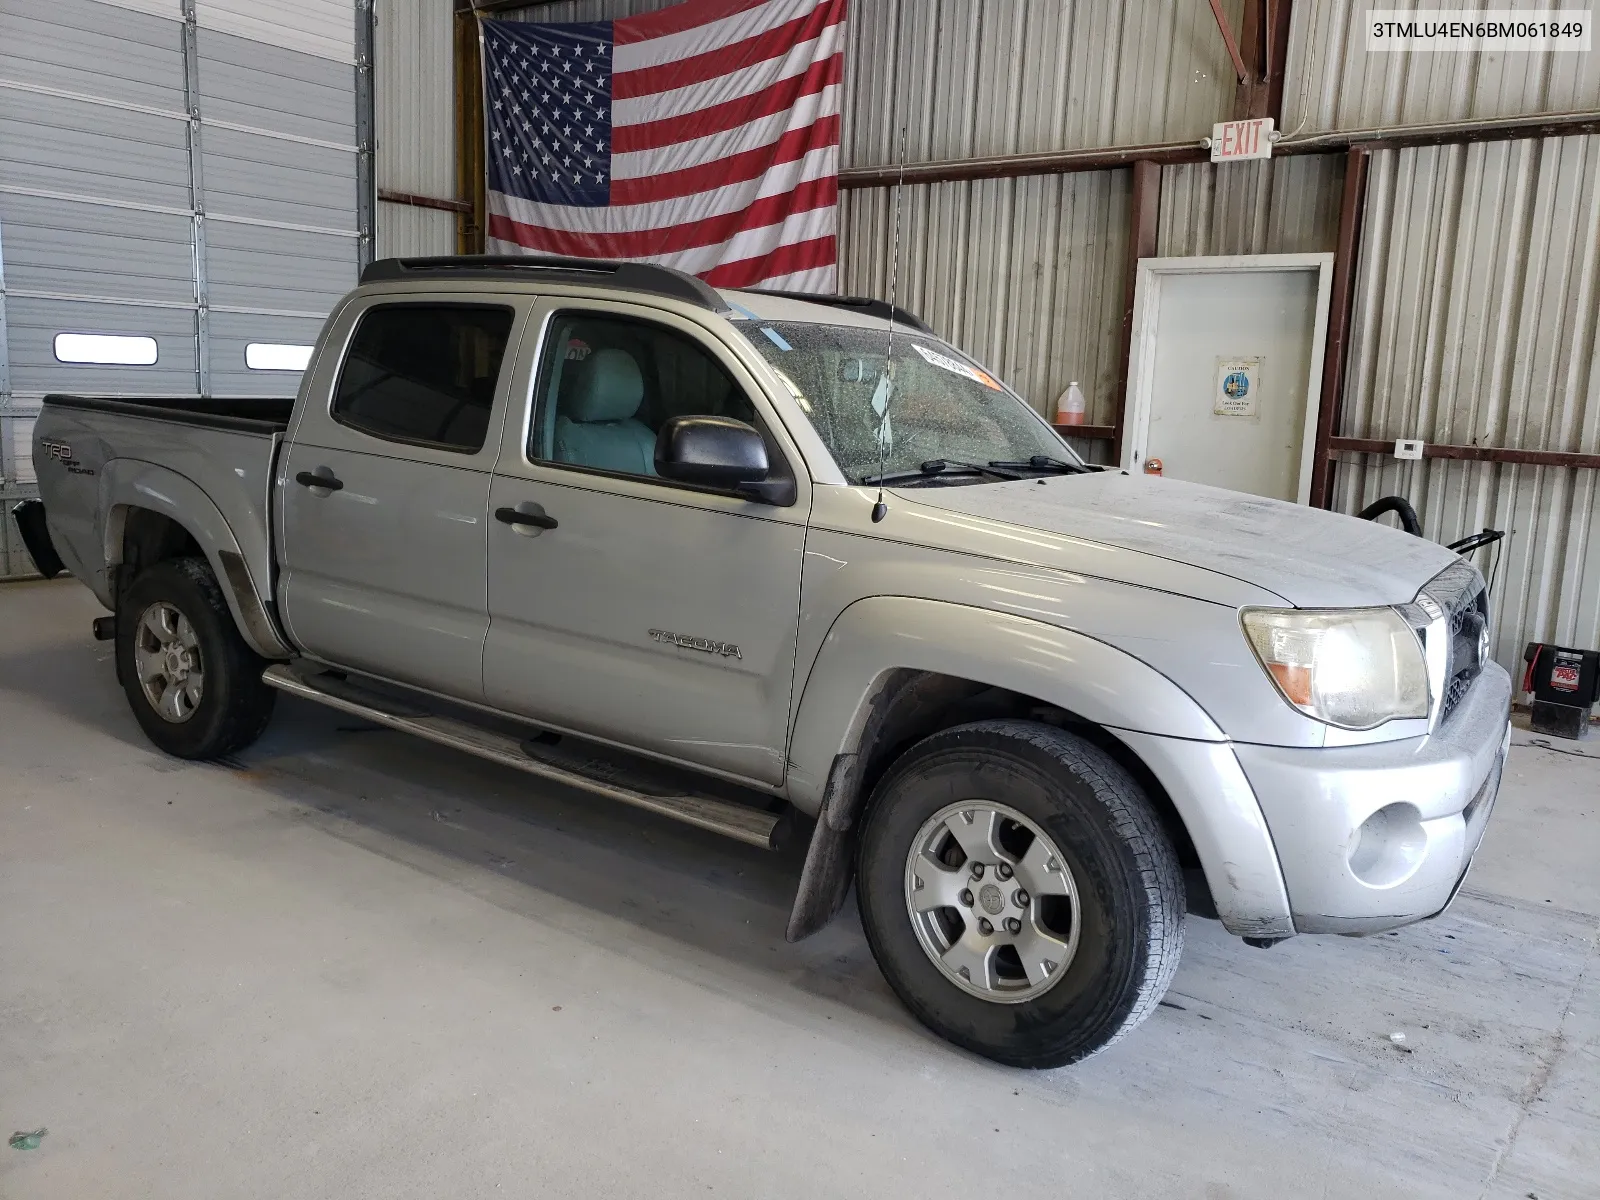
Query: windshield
x=930, y=413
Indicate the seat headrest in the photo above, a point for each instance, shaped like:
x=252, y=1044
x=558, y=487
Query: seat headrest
x=609, y=387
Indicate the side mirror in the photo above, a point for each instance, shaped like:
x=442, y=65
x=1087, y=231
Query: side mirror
x=710, y=451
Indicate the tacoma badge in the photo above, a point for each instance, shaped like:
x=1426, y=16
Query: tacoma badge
x=725, y=649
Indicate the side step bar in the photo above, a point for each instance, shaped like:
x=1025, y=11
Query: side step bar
x=745, y=824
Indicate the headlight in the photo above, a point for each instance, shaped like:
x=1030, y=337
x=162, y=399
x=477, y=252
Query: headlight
x=1353, y=667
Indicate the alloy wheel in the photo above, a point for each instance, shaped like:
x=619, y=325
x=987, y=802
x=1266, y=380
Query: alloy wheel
x=166, y=657
x=992, y=901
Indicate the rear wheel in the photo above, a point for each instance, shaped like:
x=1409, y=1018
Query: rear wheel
x=194, y=685
x=1019, y=892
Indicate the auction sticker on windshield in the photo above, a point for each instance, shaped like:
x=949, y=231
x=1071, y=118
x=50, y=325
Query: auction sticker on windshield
x=945, y=362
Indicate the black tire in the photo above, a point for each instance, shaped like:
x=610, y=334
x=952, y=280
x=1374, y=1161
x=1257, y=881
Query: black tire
x=1129, y=883
x=235, y=705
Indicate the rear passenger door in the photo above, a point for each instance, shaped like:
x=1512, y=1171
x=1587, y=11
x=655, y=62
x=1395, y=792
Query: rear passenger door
x=383, y=490
x=629, y=607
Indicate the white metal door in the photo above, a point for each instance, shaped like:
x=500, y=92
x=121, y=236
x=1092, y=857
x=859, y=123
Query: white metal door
x=1224, y=370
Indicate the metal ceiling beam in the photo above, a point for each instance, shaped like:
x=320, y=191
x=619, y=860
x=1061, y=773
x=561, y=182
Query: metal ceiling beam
x=1228, y=40
x=414, y=200
x=1575, y=460
x=1144, y=210
x=1264, y=44
x=1059, y=162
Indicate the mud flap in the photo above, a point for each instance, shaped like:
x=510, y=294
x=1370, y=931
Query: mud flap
x=29, y=515
x=830, y=858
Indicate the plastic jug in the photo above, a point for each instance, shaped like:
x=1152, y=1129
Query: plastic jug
x=1070, y=408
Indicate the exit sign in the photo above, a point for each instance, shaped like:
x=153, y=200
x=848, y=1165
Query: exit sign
x=1234, y=141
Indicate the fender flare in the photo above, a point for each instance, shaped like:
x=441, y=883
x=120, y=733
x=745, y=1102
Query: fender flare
x=127, y=483
x=1157, y=720
x=876, y=636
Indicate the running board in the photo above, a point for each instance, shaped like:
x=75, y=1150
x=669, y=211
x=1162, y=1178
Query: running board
x=745, y=824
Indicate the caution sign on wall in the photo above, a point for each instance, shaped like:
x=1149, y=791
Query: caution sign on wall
x=1237, y=390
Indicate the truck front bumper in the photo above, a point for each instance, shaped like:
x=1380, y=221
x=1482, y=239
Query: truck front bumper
x=1376, y=836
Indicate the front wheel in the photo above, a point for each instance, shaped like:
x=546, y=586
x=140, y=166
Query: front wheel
x=1019, y=892
x=192, y=682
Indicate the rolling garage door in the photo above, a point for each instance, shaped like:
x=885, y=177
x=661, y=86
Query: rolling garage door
x=182, y=188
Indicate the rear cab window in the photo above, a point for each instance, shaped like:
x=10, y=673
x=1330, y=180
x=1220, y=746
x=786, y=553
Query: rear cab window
x=424, y=374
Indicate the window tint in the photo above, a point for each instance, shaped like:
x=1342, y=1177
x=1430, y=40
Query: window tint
x=608, y=384
x=424, y=373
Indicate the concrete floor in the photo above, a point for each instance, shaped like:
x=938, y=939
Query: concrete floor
x=356, y=965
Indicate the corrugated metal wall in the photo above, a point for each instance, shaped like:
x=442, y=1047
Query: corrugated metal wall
x=404, y=230
x=968, y=78
x=414, y=74
x=1274, y=206
x=1028, y=274
x=982, y=77
x=979, y=77
x=1335, y=83
x=1478, y=301
x=1024, y=274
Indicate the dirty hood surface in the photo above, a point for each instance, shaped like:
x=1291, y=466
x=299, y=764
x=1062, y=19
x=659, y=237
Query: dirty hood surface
x=1309, y=557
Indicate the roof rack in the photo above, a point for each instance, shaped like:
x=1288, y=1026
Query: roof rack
x=861, y=304
x=628, y=276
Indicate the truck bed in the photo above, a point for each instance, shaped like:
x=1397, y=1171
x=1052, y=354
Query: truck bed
x=203, y=462
x=244, y=414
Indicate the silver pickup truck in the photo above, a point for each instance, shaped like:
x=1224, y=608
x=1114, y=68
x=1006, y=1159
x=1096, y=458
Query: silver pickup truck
x=795, y=569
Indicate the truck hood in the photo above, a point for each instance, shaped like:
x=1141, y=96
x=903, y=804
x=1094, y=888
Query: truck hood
x=1309, y=557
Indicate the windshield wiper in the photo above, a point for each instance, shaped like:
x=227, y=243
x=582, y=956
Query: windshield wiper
x=939, y=466
x=1043, y=462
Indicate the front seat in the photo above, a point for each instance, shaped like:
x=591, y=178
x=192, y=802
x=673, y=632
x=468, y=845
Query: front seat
x=597, y=424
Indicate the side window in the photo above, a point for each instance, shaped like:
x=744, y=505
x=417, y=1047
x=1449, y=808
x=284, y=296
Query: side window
x=424, y=374
x=608, y=384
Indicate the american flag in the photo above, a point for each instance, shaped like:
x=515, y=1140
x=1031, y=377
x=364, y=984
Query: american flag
x=704, y=136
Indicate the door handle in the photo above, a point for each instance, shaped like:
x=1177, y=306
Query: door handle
x=311, y=480
x=515, y=516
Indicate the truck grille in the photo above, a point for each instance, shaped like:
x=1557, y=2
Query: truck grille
x=1459, y=591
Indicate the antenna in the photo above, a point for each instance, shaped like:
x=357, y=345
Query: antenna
x=881, y=508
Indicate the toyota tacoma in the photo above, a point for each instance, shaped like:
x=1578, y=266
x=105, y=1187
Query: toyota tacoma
x=794, y=568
